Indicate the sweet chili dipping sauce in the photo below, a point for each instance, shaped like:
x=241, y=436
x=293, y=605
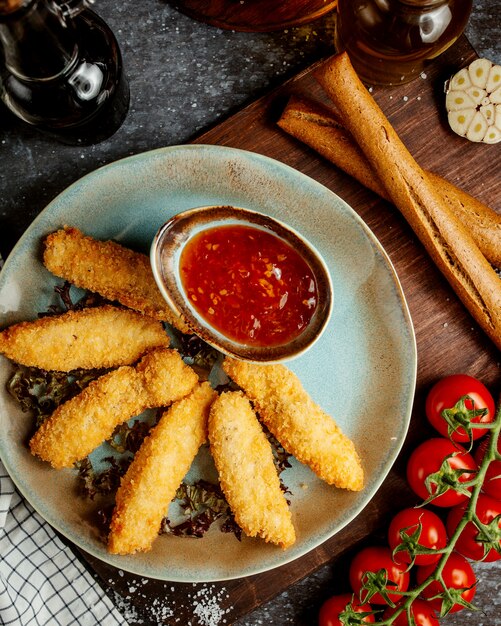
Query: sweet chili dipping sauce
x=250, y=285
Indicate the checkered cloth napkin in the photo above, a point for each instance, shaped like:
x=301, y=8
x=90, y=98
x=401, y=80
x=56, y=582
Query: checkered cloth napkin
x=42, y=583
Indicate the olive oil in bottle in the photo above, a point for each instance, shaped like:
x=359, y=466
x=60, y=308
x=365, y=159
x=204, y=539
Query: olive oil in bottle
x=390, y=41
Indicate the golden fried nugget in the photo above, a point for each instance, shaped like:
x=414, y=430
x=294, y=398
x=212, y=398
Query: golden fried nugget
x=156, y=472
x=107, y=268
x=247, y=473
x=81, y=424
x=97, y=337
x=299, y=424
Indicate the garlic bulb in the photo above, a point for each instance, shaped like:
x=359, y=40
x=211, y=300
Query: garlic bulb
x=473, y=102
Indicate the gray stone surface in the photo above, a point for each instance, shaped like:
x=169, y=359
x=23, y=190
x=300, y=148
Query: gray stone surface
x=185, y=77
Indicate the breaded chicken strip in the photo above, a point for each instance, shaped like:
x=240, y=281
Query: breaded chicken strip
x=299, y=424
x=156, y=472
x=107, y=268
x=82, y=423
x=98, y=337
x=247, y=473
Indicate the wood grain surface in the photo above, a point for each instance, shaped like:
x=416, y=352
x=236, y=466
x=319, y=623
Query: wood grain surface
x=448, y=339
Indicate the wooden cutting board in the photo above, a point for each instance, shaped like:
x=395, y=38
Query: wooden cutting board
x=448, y=339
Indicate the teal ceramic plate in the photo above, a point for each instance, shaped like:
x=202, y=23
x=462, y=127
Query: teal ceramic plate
x=362, y=370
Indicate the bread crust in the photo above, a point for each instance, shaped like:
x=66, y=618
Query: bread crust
x=321, y=128
x=447, y=241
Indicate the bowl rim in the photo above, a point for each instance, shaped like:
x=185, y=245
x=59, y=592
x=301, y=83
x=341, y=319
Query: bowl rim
x=173, y=235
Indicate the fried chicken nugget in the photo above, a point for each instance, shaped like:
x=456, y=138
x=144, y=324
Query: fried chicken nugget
x=298, y=423
x=82, y=423
x=107, y=268
x=247, y=473
x=156, y=472
x=97, y=337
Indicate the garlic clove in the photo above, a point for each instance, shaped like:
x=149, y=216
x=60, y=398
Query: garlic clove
x=479, y=72
x=461, y=80
x=497, y=116
x=493, y=135
x=458, y=100
x=495, y=96
x=489, y=113
x=473, y=102
x=494, y=80
x=459, y=121
x=476, y=94
x=477, y=128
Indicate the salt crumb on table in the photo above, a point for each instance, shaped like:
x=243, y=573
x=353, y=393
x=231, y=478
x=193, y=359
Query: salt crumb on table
x=204, y=604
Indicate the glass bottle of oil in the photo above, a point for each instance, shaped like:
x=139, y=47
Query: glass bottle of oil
x=61, y=69
x=390, y=41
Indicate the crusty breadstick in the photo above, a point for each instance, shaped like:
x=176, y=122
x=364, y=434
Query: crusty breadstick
x=97, y=337
x=298, y=423
x=157, y=470
x=82, y=423
x=247, y=473
x=447, y=241
x=321, y=128
x=113, y=271
x=318, y=127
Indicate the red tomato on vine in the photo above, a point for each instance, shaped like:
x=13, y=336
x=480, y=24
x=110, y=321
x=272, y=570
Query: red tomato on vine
x=374, y=568
x=460, y=584
x=439, y=466
x=333, y=607
x=470, y=543
x=449, y=395
x=414, y=528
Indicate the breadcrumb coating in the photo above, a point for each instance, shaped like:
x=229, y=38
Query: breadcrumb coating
x=247, y=473
x=98, y=337
x=156, y=472
x=298, y=423
x=105, y=267
x=82, y=423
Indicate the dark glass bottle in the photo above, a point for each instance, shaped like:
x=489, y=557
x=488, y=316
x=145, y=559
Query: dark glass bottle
x=61, y=70
x=390, y=41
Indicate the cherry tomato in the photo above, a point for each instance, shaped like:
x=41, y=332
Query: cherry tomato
x=447, y=392
x=374, y=559
x=457, y=574
x=331, y=608
x=487, y=509
x=431, y=530
x=421, y=611
x=427, y=459
x=492, y=480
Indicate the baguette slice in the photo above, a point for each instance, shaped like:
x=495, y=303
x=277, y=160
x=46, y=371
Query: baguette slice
x=321, y=128
x=448, y=242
